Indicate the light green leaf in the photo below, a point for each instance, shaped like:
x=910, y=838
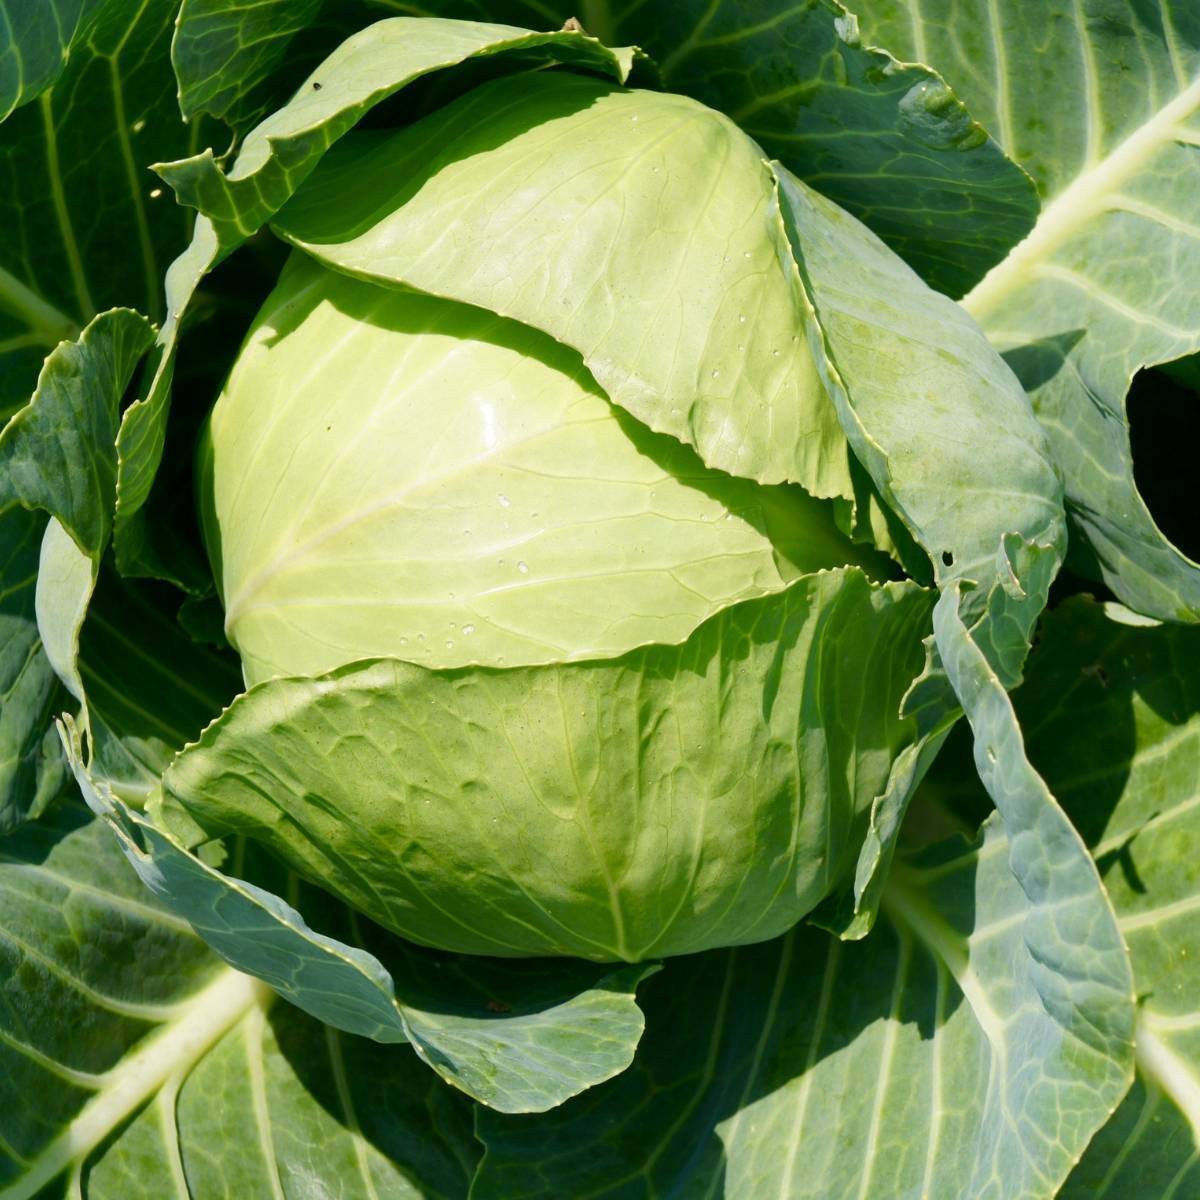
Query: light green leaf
x=550, y=1042
x=275, y=157
x=1104, y=284
x=661, y=265
x=365, y=69
x=1111, y=714
x=451, y=488
x=919, y=390
x=617, y=809
x=128, y=1052
x=888, y=140
x=555, y=1036
x=921, y=1061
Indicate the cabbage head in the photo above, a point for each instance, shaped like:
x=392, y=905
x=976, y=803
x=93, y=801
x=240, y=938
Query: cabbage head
x=527, y=460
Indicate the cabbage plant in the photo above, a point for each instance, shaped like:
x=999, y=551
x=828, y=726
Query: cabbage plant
x=618, y=620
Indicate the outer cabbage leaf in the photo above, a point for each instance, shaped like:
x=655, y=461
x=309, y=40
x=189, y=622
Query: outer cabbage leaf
x=143, y=1052
x=970, y=1047
x=919, y=390
x=565, y=1032
x=1111, y=713
x=56, y=455
x=450, y=487
x=29, y=689
x=675, y=798
x=922, y=1061
x=1104, y=284
x=227, y=54
x=37, y=46
x=640, y=229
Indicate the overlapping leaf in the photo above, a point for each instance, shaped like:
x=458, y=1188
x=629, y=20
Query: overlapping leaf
x=56, y=456
x=1105, y=282
x=925, y=1060
x=549, y=1043
x=890, y=141
x=143, y=1057
x=275, y=157
x=675, y=798
x=1111, y=711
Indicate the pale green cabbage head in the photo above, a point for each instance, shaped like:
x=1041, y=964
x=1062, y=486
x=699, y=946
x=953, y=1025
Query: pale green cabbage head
x=532, y=417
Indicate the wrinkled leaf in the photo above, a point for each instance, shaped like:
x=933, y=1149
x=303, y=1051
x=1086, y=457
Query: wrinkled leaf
x=674, y=798
x=1111, y=714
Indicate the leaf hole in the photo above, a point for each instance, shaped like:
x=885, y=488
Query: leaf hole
x=1164, y=440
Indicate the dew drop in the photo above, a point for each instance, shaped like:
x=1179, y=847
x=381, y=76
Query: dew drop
x=774, y=353
x=505, y=502
x=745, y=253
x=499, y=562
x=449, y=644
x=404, y=641
x=741, y=318
x=468, y=630
x=523, y=567
x=420, y=637
x=716, y=374
x=453, y=625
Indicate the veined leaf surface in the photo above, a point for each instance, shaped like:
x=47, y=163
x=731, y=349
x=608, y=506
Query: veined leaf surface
x=664, y=263
x=1105, y=282
x=921, y=1061
x=392, y=474
x=144, y=1053
x=1111, y=712
x=86, y=225
x=678, y=797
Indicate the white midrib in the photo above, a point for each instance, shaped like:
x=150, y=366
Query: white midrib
x=1080, y=202
x=1171, y=1073
x=910, y=909
x=170, y=1052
